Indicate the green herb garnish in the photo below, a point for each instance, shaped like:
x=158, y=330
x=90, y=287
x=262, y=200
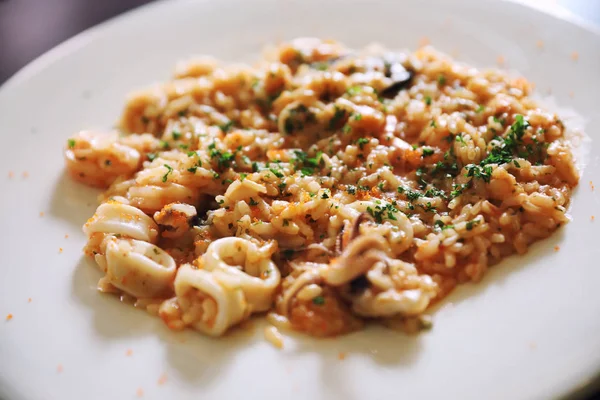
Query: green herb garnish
x=361, y=142
x=169, y=171
x=354, y=90
x=278, y=174
x=226, y=126
x=338, y=116
x=319, y=300
x=472, y=223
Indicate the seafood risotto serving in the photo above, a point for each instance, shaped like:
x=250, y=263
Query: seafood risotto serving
x=323, y=186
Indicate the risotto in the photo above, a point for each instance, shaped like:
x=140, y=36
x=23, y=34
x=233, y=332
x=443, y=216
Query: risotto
x=324, y=186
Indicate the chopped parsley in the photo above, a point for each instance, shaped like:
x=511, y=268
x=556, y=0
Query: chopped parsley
x=169, y=171
x=307, y=164
x=224, y=159
x=151, y=156
x=321, y=66
x=457, y=189
x=226, y=126
x=319, y=300
x=504, y=151
x=472, y=223
x=242, y=177
x=427, y=152
x=428, y=207
x=428, y=100
x=361, y=142
x=71, y=143
x=481, y=172
x=480, y=109
x=298, y=117
x=435, y=192
x=411, y=195
x=448, y=168
x=253, y=202
x=500, y=121
x=380, y=212
x=354, y=90
x=439, y=224
x=276, y=172
x=419, y=175
x=357, y=117
x=441, y=80
x=338, y=116
x=307, y=171
x=351, y=189
x=176, y=135
x=432, y=124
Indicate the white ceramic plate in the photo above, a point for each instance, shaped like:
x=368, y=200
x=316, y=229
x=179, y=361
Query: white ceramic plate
x=529, y=330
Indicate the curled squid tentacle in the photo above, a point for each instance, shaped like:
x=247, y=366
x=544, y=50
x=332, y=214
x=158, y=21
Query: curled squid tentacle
x=356, y=259
x=206, y=304
x=122, y=219
x=139, y=268
x=306, y=278
x=237, y=262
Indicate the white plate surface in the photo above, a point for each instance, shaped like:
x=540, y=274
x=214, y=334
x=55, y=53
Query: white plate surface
x=530, y=330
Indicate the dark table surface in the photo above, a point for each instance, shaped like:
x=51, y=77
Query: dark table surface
x=28, y=28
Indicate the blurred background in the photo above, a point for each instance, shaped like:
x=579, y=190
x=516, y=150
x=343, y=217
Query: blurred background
x=28, y=28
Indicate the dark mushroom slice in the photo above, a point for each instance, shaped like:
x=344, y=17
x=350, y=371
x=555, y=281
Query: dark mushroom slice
x=401, y=79
x=350, y=231
x=175, y=219
x=360, y=255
